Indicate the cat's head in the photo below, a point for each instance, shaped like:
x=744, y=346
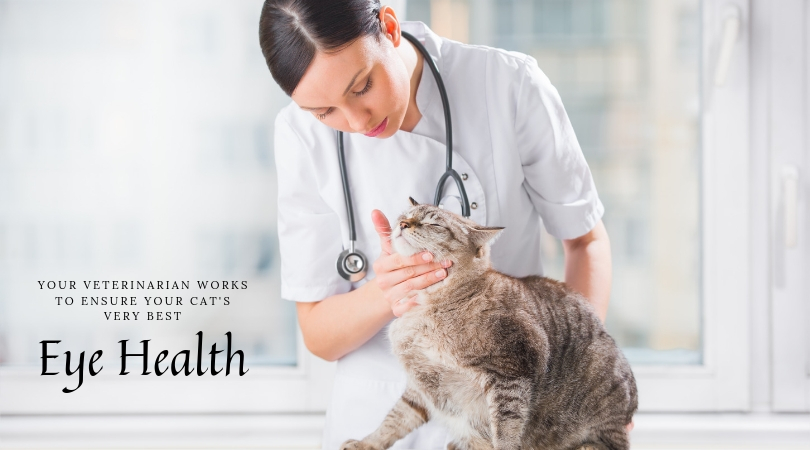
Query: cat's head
x=444, y=234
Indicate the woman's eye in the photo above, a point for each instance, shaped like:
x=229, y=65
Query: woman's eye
x=365, y=89
x=323, y=116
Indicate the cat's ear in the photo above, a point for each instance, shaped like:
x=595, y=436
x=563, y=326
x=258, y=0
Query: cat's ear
x=413, y=202
x=485, y=235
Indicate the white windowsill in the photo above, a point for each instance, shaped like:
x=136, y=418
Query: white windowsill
x=652, y=431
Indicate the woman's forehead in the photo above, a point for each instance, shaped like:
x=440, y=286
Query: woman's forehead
x=330, y=75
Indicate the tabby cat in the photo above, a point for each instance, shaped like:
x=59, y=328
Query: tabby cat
x=502, y=362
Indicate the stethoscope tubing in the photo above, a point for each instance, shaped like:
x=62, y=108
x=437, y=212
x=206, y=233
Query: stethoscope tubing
x=345, y=179
x=448, y=124
x=449, y=172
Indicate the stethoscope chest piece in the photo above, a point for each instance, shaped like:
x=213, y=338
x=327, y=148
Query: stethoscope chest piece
x=352, y=264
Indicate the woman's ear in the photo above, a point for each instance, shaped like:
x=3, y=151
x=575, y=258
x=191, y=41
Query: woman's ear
x=390, y=25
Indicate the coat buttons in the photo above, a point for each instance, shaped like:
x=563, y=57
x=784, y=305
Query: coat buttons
x=474, y=205
x=464, y=176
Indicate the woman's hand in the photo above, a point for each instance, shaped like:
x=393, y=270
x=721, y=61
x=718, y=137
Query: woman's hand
x=398, y=276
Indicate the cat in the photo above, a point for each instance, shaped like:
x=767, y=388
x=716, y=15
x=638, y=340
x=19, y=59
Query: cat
x=504, y=363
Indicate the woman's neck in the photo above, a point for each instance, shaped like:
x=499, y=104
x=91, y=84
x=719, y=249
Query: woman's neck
x=413, y=62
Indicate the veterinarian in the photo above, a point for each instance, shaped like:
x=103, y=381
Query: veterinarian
x=347, y=67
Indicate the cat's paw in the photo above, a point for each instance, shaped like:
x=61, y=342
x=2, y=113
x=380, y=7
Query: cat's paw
x=353, y=444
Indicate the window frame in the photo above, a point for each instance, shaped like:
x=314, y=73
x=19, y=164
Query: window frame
x=790, y=148
x=722, y=382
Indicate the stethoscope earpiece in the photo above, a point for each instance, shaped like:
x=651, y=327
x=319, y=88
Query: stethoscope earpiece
x=352, y=264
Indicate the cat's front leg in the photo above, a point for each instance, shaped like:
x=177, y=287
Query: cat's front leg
x=508, y=400
x=470, y=443
x=406, y=415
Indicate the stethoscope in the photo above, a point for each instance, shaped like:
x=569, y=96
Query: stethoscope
x=352, y=264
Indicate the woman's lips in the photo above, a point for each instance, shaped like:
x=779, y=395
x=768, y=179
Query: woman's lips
x=378, y=129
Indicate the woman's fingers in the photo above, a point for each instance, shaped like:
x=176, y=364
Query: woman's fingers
x=383, y=229
x=389, y=263
x=398, y=275
x=401, y=307
x=414, y=284
x=392, y=278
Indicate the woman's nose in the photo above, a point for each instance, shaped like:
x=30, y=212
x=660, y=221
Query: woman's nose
x=358, y=119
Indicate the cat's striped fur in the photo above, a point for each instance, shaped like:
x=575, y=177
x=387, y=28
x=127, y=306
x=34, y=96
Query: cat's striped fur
x=502, y=362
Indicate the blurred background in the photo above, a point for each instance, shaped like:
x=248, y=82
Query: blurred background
x=136, y=143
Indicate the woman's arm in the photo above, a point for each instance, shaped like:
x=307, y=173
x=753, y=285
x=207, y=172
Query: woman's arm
x=559, y=183
x=339, y=324
x=588, y=268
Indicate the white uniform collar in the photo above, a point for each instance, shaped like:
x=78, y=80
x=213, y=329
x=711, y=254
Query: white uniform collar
x=428, y=99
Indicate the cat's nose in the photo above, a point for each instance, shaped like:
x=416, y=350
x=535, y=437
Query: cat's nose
x=403, y=225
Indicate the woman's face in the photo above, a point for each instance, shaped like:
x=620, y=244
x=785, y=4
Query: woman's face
x=364, y=88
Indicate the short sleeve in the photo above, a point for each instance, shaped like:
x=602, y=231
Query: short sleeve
x=556, y=175
x=308, y=229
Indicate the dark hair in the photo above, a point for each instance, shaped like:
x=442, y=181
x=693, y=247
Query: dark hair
x=291, y=31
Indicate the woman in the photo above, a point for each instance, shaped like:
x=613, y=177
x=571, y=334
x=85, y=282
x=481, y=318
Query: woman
x=347, y=67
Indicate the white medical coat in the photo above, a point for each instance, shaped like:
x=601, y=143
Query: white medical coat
x=512, y=139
